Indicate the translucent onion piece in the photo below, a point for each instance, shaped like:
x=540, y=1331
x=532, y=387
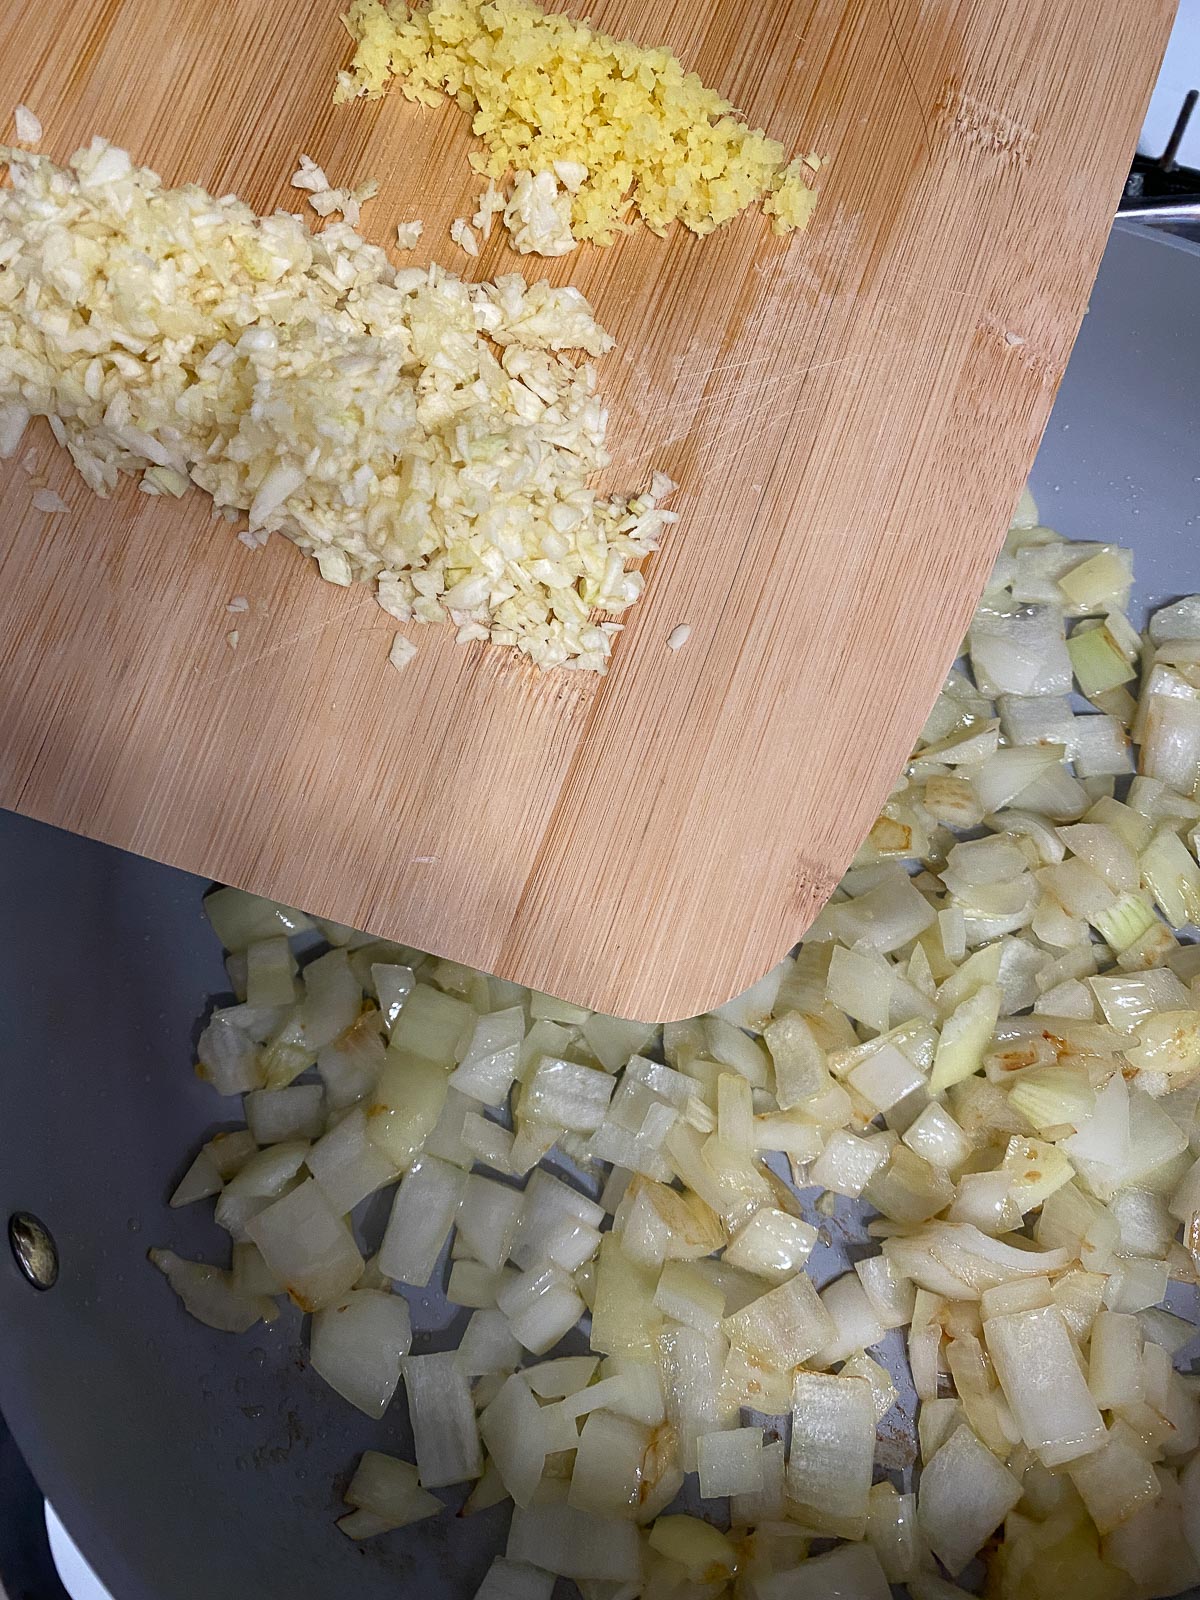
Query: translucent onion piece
x=229, y=1152
x=854, y=1320
x=405, y=1105
x=784, y=1327
x=388, y=1489
x=609, y=1465
x=704, y=1552
x=1037, y=1369
x=262, y=1179
x=691, y=1364
x=443, y=1420
x=625, y=1319
x=270, y=973
x=554, y=1380
x=685, y=1295
x=492, y=1058
x=357, y=1345
x=560, y=1538
x=201, y=1180
x=348, y=1164
x=892, y=1532
x=773, y=1245
x=515, y=1436
x=514, y=1580
x=211, y=1295
x=964, y=1495
x=1116, y=1481
x=541, y=1306
x=239, y=919
x=488, y=1345
x=308, y=1246
x=833, y=1447
x=332, y=1000
x=730, y=1462
x=297, y=1112
x=229, y=1059
x=392, y=984
x=488, y=1218
x=848, y=1163
x=433, y=1025
x=567, y=1095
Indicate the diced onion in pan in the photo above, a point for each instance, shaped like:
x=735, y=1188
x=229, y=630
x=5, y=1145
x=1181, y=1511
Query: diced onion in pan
x=212, y=1295
x=993, y=1041
x=308, y=1246
x=387, y=1489
x=443, y=1420
x=515, y=1580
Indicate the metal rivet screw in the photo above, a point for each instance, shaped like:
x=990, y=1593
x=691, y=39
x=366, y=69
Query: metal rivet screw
x=35, y=1250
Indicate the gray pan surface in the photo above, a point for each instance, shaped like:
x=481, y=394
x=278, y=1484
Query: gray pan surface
x=191, y=1465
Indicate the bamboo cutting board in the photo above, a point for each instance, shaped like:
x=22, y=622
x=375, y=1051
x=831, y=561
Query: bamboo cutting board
x=850, y=414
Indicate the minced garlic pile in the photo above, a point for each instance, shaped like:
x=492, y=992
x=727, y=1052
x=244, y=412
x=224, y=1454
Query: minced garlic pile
x=398, y=425
x=624, y=130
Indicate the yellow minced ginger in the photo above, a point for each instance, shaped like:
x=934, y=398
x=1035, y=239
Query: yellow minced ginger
x=547, y=94
x=793, y=199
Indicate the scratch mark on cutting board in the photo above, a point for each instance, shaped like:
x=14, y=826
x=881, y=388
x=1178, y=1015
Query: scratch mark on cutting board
x=768, y=390
x=912, y=82
x=933, y=288
x=971, y=118
x=767, y=356
x=770, y=397
x=286, y=644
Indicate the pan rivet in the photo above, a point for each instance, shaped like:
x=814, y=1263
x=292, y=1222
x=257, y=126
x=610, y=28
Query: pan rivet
x=35, y=1250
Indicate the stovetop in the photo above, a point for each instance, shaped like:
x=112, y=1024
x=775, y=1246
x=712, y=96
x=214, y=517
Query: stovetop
x=1164, y=183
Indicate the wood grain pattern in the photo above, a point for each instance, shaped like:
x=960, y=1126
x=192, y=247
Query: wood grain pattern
x=850, y=413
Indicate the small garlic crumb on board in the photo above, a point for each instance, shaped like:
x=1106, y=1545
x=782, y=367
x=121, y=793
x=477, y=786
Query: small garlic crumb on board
x=310, y=176
x=238, y=603
x=325, y=198
x=538, y=216
x=231, y=639
x=49, y=501
x=679, y=636
x=463, y=236
x=334, y=566
x=29, y=126
x=402, y=652
x=491, y=205
x=629, y=134
x=408, y=234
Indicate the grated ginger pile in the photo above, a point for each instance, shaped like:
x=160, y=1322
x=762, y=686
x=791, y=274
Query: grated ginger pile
x=398, y=425
x=548, y=97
